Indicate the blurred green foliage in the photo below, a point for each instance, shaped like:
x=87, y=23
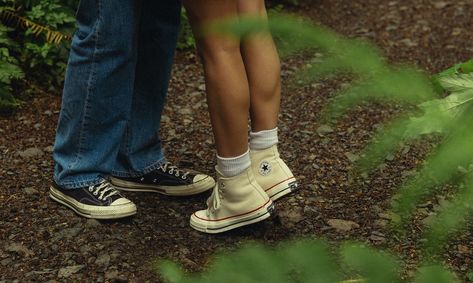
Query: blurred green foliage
x=305, y=261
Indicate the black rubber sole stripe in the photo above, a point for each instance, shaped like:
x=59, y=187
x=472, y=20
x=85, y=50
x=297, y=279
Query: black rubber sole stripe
x=292, y=188
x=281, y=191
x=269, y=211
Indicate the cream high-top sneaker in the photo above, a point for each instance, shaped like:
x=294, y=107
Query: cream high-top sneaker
x=272, y=173
x=236, y=201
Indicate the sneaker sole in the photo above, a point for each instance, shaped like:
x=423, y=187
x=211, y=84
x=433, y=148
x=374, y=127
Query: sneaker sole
x=90, y=211
x=261, y=214
x=188, y=190
x=281, y=189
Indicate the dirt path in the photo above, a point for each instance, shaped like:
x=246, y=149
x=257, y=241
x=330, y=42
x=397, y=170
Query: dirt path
x=40, y=240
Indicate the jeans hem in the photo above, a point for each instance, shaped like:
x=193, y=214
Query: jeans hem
x=80, y=184
x=139, y=173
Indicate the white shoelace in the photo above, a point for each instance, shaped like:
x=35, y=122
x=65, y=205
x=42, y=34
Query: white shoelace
x=215, y=200
x=173, y=169
x=102, y=189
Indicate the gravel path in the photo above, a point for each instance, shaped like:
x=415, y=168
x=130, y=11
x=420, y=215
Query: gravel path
x=41, y=241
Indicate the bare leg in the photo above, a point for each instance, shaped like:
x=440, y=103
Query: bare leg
x=228, y=93
x=263, y=69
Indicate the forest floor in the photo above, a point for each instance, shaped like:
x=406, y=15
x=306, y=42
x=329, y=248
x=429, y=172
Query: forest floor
x=41, y=240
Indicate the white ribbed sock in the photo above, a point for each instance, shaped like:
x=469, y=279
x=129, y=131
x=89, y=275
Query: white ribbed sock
x=233, y=166
x=263, y=139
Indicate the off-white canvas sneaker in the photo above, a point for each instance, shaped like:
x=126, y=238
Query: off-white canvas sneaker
x=272, y=173
x=236, y=201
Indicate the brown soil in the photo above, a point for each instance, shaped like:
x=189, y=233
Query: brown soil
x=39, y=238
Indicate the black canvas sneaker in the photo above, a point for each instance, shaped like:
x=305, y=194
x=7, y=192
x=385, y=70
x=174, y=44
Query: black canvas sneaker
x=101, y=201
x=166, y=180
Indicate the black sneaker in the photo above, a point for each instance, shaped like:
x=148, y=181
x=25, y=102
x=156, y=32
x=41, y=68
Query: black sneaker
x=101, y=201
x=166, y=180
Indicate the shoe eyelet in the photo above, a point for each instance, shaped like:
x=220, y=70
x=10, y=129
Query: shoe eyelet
x=184, y=177
x=90, y=189
x=95, y=193
x=177, y=175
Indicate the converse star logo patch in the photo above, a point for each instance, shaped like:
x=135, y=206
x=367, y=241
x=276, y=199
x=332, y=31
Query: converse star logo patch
x=264, y=168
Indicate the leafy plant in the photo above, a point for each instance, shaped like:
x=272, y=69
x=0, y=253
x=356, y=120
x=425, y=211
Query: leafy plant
x=9, y=70
x=38, y=41
x=186, y=39
x=10, y=17
x=304, y=261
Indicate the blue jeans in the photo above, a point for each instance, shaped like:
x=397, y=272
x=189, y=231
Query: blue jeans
x=115, y=88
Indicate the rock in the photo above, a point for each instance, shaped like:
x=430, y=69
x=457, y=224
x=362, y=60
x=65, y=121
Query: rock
x=427, y=205
x=408, y=42
x=342, y=225
x=463, y=249
x=165, y=119
x=114, y=276
x=49, y=149
x=85, y=249
x=18, y=248
x=390, y=216
x=440, y=5
x=66, y=272
x=6, y=261
x=91, y=223
x=323, y=130
x=309, y=209
x=381, y=223
x=377, y=237
x=103, y=260
x=40, y=272
x=390, y=157
x=185, y=111
x=30, y=191
x=291, y=217
x=115, y=255
x=31, y=152
x=352, y=157
x=67, y=233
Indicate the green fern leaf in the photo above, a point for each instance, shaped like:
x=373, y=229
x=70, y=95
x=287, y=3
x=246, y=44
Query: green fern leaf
x=457, y=82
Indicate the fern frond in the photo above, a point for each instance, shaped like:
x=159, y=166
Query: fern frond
x=9, y=17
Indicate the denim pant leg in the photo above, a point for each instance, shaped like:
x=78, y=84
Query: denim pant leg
x=141, y=149
x=98, y=91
